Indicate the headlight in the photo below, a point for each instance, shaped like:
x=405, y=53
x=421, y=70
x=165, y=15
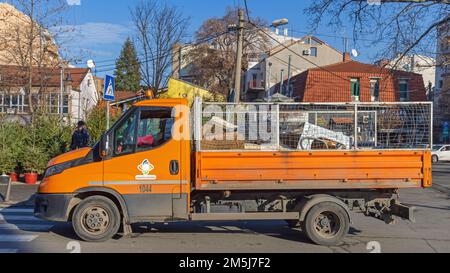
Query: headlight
x=57, y=169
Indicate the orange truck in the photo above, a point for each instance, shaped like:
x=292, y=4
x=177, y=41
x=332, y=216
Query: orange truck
x=309, y=165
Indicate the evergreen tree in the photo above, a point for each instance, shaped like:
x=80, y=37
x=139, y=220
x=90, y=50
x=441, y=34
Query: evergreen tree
x=127, y=73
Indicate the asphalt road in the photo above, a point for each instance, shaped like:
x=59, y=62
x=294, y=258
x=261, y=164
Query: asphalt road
x=21, y=232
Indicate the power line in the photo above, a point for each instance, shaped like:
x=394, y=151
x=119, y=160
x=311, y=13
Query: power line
x=297, y=54
x=112, y=66
x=191, y=43
x=246, y=11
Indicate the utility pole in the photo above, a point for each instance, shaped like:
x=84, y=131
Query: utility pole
x=61, y=94
x=240, y=39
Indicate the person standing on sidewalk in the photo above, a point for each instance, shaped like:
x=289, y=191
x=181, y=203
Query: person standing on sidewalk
x=80, y=138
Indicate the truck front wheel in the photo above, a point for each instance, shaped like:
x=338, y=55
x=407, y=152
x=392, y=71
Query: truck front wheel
x=326, y=224
x=96, y=219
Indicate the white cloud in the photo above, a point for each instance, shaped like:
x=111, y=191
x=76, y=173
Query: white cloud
x=89, y=34
x=102, y=33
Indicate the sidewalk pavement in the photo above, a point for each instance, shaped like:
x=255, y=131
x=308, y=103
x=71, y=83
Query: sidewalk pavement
x=21, y=194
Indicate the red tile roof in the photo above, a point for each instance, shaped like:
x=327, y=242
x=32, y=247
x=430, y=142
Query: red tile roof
x=50, y=77
x=357, y=67
x=331, y=83
x=124, y=95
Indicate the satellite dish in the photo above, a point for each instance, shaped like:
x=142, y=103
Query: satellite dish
x=355, y=53
x=90, y=64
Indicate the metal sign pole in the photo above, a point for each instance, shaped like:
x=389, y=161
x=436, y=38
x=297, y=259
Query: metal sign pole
x=8, y=190
x=108, y=103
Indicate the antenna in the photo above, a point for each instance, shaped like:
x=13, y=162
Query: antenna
x=90, y=64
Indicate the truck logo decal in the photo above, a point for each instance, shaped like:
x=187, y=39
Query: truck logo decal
x=146, y=167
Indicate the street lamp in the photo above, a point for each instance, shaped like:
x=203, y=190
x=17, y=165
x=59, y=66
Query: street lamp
x=280, y=22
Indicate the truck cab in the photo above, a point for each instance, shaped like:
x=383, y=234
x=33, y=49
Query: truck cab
x=138, y=170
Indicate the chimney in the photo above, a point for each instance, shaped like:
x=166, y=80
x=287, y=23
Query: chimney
x=286, y=32
x=277, y=31
x=347, y=57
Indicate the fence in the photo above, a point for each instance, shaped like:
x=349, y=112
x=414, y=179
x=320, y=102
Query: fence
x=312, y=126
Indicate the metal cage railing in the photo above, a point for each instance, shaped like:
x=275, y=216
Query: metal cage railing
x=312, y=126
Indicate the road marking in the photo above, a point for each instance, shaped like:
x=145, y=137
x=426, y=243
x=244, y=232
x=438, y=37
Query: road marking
x=232, y=228
x=25, y=227
x=4, y=251
x=18, y=218
x=15, y=210
x=17, y=238
x=215, y=228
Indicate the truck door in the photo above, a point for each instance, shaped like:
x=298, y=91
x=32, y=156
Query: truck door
x=145, y=164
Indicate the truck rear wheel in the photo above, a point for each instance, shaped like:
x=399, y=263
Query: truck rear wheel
x=326, y=224
x=96, y=219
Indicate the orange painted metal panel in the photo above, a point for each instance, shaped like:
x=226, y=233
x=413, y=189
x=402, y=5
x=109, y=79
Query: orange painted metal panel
x=335, y=169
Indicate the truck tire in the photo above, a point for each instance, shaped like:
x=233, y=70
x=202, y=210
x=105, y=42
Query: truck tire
x=96, y=219
x=435, y=159
x=326, y=223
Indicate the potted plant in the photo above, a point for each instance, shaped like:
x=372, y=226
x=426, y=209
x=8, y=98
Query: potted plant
x=34, y=161
x=12, y=139
x=7, y=164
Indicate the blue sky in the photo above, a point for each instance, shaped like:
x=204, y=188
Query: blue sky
x=104, y=24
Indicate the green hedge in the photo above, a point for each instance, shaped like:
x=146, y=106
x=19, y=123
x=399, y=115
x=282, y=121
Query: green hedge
x=30, y=147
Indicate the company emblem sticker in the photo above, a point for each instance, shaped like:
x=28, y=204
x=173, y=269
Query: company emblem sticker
x=146, y=167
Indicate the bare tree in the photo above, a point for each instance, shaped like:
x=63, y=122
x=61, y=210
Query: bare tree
x=27, y=42
x=159, y=27
x=400, y=27
x=214, y=60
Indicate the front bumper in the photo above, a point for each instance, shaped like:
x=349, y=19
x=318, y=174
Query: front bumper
x=53, y=207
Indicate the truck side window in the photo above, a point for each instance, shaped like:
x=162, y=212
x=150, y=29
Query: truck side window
x=124, y=136
x=155, y=128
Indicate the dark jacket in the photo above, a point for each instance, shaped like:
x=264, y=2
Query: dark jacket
x=80, y=139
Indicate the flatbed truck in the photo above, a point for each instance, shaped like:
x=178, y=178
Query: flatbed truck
x=162, y=161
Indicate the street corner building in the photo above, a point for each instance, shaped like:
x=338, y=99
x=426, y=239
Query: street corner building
x=77, y=86
x=352, y=81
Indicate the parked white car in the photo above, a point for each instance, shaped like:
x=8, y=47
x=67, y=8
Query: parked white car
x=440, y=153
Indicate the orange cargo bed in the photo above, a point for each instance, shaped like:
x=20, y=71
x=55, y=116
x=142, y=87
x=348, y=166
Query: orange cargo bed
x=313, y=170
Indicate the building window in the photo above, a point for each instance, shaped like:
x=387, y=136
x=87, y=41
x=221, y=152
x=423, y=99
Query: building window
x=314, y=51
x=16, y=102
x=375, y=89
x=53, y=103
x=354, y=89
x=441, y=83
x=404, y=90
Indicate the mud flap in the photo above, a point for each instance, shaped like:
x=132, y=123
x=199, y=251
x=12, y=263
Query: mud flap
x=127, y=231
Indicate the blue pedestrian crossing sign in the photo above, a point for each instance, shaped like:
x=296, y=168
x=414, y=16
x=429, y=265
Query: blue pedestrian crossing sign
x=110, y=89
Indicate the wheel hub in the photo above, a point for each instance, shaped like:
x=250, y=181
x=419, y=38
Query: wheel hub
x=95, y=220
x=326, y=224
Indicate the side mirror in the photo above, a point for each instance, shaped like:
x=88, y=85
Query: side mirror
x=104, y=146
